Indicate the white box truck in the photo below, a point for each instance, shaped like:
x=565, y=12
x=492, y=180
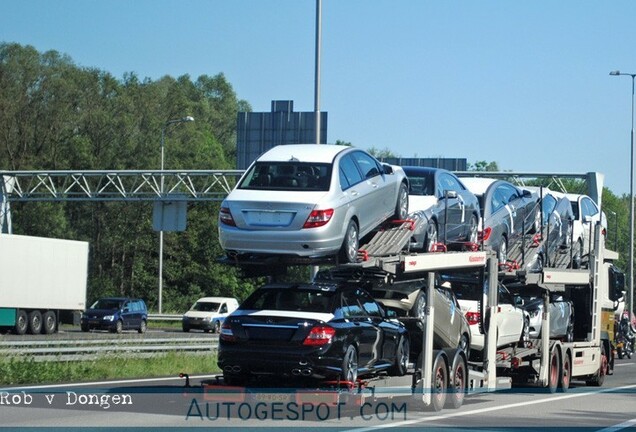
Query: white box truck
x=42, y=282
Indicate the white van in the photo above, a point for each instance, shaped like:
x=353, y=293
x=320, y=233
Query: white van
x=208, y=313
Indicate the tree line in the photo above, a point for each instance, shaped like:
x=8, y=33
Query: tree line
x=55, y=115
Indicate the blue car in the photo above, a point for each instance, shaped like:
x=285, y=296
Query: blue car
x=116, y=314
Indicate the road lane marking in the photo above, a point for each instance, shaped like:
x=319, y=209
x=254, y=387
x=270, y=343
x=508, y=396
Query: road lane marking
x=624, y=425
x=485, y=410
x=129, y=381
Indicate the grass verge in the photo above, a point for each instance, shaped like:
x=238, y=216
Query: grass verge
x=25, y=370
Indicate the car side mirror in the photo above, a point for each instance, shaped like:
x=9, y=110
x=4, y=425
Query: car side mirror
x=519, y=301
x=587, y=219
x=388, y=169
x=126, y=309
x=450, y=194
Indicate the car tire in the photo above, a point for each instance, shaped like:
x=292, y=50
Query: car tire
x=432, y=236
x=502, y=250
x=143, y=327
x=419, y=305
x=569, y=336
x=35, y=322
x=525, y=333
x=350, y=244
x=473, y=230
x=402, y=205
x=577, y=254
x=464, y=344
x=402, y=351
x=119, y=327
x=536, y=222
x=349, y=370
x=185, y=328
x=49, y=322
x=217, y=327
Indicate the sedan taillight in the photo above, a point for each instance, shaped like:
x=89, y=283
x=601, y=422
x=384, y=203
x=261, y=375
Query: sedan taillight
x=225, y=216
x=473, y=318
x=226, y=332
x=485, y=234
x=319, y=336
x=318, y=218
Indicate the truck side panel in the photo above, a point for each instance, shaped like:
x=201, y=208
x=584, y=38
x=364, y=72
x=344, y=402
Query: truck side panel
x=42, y=273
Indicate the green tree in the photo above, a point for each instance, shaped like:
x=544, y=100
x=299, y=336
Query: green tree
x=483, y=166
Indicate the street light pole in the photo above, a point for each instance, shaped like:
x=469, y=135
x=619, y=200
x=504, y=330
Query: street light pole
x=317, y=70
x=631, y=198
x=163, y=139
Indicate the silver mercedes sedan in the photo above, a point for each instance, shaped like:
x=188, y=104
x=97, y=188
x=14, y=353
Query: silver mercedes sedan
x=311, y=201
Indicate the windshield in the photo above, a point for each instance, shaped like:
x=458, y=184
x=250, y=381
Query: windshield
x=109, y=304
x=206, y=307
x=288, y=176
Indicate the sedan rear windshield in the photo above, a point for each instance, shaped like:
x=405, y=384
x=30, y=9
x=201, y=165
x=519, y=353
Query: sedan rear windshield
x=290, y=299
x=288, y=176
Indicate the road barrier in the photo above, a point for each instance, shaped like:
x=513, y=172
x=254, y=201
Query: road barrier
x=82, y=349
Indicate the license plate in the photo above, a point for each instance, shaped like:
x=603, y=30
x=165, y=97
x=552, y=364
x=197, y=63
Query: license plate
x=273, y=397
x=269, y=218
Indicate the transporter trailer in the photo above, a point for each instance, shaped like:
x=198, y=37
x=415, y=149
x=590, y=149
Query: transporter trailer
x=438, y=378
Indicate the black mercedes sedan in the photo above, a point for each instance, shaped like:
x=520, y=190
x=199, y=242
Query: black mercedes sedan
x=316, y=330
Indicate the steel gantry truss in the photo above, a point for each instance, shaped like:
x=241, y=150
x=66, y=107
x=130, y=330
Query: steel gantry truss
x=111, y=185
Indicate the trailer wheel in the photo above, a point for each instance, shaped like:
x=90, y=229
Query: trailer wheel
x=599, y=378
x=566, y=373
x=439, y=384
x=554, y=373
x=21, y=322
x=458, y=382
x=49, y=322
x=35, y=322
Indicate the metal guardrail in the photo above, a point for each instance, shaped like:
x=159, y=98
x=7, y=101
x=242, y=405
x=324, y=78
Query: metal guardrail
x=79, y=349
x=165, y=317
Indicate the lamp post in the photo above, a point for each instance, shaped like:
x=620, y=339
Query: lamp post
x=163, y=139
x=631, y=198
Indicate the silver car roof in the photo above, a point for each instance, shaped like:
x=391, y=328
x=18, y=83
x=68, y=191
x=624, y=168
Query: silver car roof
x=321, y=153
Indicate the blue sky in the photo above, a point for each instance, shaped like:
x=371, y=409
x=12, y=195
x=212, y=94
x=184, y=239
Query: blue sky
x=522, y=83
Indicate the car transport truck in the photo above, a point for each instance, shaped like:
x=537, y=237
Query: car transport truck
x=43, y=283
x=441, y=377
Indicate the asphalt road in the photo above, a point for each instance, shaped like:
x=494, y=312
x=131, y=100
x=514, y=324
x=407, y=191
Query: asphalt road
x=166, y=402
